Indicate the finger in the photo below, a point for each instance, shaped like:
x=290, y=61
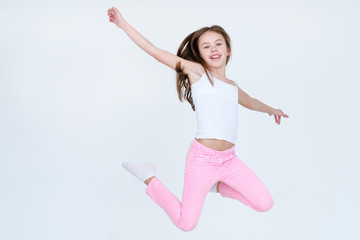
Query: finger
x=279, y=120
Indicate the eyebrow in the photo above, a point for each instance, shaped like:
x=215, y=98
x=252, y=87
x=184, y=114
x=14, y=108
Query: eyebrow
x=215, y=41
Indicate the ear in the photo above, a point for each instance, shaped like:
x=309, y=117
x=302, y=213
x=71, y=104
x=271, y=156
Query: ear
x=228, y=51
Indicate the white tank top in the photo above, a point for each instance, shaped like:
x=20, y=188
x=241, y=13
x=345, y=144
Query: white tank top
x=216, y=109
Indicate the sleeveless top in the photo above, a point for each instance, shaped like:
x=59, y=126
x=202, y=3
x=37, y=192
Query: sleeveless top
x=216, y=109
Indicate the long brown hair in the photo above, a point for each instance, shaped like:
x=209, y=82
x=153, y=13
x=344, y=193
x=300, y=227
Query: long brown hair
x=189, y=50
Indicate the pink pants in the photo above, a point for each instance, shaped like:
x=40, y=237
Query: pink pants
x=204, y=167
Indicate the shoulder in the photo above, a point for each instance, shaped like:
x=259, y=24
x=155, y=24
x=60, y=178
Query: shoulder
x=232, y=82
x=235, y=84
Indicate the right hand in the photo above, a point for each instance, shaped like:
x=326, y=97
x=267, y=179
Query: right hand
x=115, y=17
x=277, y=115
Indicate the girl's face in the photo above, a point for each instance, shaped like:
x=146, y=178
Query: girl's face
x=213, y=49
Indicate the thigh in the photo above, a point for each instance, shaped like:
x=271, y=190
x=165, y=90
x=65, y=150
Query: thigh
x=243, y=179
x=198, y=179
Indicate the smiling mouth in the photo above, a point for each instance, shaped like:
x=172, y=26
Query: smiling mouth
x=215, y=57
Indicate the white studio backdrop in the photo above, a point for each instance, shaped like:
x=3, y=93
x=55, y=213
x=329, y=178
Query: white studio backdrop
x=78, y=97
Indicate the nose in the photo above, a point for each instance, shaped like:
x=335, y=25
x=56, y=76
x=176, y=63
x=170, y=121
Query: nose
x=213, y=49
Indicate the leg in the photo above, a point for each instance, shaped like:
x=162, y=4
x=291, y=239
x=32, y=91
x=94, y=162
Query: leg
x=197, y=182
x=241, y=183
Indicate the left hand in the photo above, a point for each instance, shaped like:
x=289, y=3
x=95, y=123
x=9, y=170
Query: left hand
x=277, y=115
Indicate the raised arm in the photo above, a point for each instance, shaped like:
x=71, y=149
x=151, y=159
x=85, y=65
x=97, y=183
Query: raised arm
x=162, y=56
x=253, y=104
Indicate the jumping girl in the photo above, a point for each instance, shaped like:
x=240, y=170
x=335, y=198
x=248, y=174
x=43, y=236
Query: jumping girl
x=211, y=161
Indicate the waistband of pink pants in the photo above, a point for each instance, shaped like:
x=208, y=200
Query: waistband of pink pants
x=211, y=152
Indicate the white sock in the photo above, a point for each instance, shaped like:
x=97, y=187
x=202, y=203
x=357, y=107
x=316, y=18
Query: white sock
x=141, y=171
x=214, y=187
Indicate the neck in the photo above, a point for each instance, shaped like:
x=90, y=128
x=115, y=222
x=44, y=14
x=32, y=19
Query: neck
x=219, y=73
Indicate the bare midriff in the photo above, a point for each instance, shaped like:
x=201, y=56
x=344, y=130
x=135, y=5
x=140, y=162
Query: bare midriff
x=216, y=144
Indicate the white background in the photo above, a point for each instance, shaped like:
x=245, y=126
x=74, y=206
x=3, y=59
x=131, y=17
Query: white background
x=78, y=97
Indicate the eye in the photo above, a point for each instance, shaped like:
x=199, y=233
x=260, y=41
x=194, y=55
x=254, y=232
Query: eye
x=206, y=47
x=219, y=44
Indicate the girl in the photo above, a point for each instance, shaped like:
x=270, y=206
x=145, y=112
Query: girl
x=211, y=162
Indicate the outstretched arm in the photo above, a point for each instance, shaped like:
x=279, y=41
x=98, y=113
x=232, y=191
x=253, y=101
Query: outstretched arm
x=253, y=104
x=159, y=54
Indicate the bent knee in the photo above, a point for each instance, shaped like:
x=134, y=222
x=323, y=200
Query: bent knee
x=188, y=227
x=265, y=206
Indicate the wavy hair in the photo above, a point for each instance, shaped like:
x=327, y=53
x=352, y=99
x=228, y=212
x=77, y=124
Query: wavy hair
x=189, y=50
